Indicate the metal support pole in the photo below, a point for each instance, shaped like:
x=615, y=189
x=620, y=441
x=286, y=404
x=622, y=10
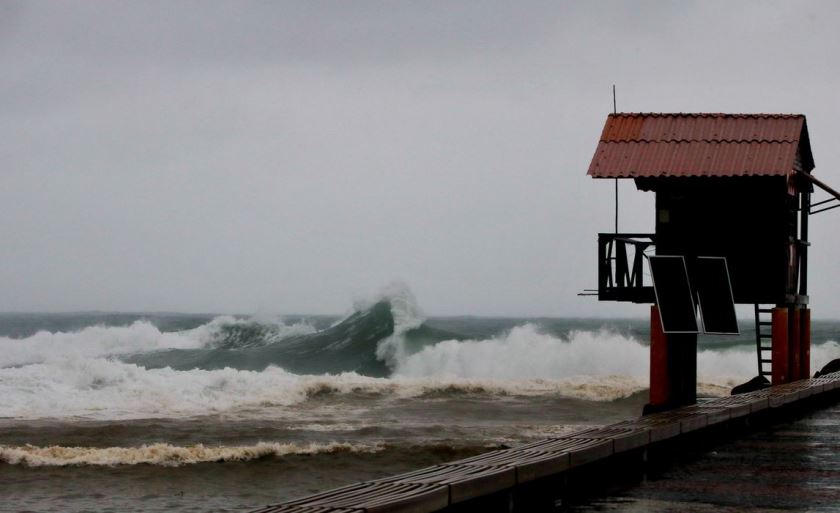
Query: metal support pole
x=673, y=366
x=795, y=344
x=803, y=249
x=780, y=346
x=805, y=345
x=659, y=382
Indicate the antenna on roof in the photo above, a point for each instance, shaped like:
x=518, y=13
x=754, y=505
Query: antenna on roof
x=615, y=111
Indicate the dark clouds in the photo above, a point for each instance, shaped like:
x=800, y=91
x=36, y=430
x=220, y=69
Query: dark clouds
x=288, y=156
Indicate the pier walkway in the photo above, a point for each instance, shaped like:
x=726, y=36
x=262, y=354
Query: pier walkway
x=767, y=469
x=790, y=466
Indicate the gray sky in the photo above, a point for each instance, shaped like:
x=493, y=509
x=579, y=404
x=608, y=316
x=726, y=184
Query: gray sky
x=292, y=156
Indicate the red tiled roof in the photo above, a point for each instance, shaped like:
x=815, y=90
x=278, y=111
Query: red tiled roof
x=657, y=145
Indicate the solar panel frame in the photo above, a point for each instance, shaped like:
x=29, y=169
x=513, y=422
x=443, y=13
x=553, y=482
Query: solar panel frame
x=651, y=259
x=731, y=296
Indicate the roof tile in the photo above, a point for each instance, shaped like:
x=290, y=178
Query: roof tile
x=650, y=145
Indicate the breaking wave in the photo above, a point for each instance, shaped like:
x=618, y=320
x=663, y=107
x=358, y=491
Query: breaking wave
x=109, y=389
x=525, y=352
x=144, y=337
x=383, y=348
x=168, y=455
x=594, y=357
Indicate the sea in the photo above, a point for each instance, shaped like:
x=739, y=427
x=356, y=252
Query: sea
x=186, y=412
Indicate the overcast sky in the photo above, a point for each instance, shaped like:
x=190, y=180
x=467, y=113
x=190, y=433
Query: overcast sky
x=289, y=157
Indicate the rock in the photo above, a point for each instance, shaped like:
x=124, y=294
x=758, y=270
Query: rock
x=832, y=366
x=757, y=383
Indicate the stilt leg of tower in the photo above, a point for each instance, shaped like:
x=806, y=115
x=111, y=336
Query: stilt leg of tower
x=659, y=383
x=781, y=330
x=795, y=341
x=805, y=344
x=673, y=366
x=682, y=371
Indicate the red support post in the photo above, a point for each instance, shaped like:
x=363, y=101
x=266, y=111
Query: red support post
x=780, y=362
x=795, y=345
x=805, y=345
x=659, y=382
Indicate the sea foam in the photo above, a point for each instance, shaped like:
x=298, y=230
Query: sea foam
x=168, y=455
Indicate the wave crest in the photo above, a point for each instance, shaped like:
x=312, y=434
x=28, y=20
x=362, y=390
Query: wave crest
x=407, y=316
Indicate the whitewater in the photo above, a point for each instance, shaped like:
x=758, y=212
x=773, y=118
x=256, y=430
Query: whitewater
x=228, y=411
x=242, y=366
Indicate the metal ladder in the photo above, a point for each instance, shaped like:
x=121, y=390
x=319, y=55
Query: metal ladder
x=763, y=340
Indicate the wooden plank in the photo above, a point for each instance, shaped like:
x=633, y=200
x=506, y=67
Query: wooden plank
x=759, y=403
x=529, y=464
x=428, y=500
x=377, y=496
x=581, y=451
x=490, y=480
x=678, y=421
x=287, y=508
x=714, y=415
x=535, y=465
x=736, y=405
x=758, y=400
x=827, y=383
x=817, y=386
x=325, y=495
x=660, y=428
x=783, y=394
x=693, y=421
x=464, y=481
x=622, y=438
x=496, y=458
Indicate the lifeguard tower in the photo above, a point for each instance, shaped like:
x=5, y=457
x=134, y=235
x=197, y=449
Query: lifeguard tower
x=733, y=198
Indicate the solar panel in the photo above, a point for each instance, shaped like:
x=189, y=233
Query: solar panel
x=714, y=295
x=673, y=294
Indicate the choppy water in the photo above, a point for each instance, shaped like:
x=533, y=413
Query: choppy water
x=171, y=412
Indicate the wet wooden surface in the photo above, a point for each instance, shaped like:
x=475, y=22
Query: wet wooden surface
x=789, y=466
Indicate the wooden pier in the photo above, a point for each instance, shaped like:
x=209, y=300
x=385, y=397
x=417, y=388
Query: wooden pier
x=542, y=475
